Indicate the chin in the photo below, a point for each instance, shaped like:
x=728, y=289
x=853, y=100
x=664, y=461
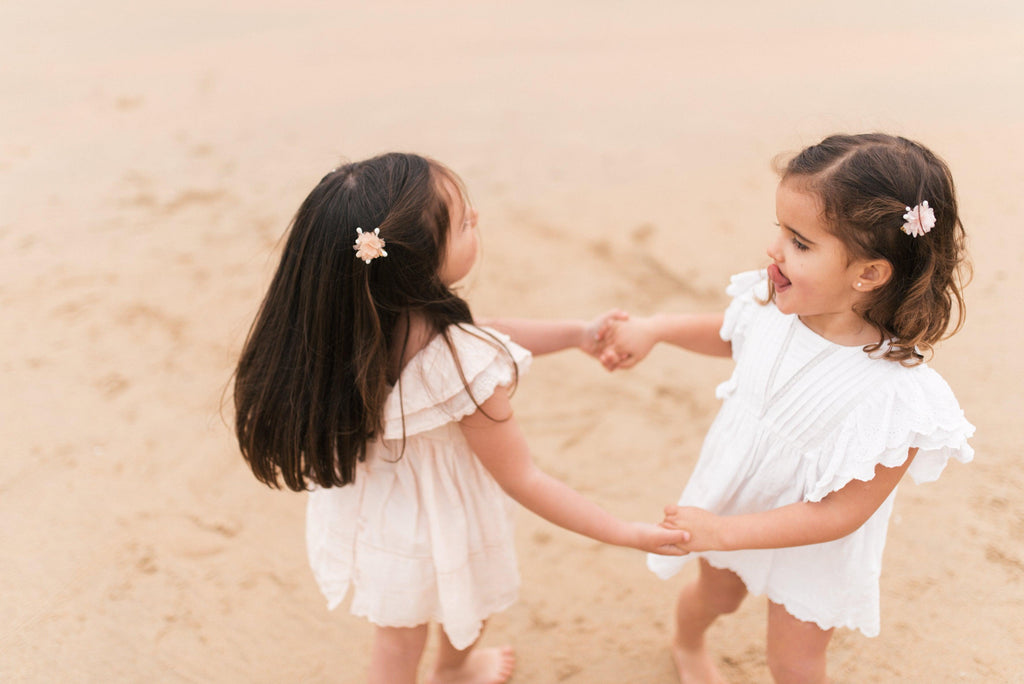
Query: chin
x=781, y=303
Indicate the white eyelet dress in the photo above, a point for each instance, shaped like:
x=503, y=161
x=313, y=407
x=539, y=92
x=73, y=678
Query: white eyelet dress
x=801, y=418
x=424, y=534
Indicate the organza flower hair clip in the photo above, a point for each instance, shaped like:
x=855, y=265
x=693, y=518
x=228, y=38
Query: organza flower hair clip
x=368, y=245
x=919, y=220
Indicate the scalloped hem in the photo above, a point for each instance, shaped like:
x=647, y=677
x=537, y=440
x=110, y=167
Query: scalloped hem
x=462, y=637
x=952, y=445
x=800, y=612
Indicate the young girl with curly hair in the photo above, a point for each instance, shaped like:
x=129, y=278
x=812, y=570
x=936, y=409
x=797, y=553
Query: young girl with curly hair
x=830, y=403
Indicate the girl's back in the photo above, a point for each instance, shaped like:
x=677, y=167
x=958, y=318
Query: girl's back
x=423, y=511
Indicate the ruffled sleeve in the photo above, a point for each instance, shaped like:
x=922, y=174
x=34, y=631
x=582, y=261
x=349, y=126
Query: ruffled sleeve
x=745, y=289
x=432, y=391
x=915, y=409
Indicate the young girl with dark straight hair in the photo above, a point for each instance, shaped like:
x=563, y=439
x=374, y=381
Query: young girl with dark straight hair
x=365, y=380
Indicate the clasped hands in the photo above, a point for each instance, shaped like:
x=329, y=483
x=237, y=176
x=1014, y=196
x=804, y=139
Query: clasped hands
x=618, y=341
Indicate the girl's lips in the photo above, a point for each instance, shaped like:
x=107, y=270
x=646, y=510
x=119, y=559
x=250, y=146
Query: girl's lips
x=780, y=281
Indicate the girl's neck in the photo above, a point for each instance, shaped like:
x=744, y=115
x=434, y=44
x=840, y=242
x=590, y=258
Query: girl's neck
x=844, y=329
x=416, y=332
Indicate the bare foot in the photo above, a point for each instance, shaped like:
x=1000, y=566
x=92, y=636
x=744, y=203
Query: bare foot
x=482, y=666
x=695, y=665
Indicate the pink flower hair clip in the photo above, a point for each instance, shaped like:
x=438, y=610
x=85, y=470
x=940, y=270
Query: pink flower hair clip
x=919, y=220
x=368, y=245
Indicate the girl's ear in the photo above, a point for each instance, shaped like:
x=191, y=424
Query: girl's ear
x=873, y=275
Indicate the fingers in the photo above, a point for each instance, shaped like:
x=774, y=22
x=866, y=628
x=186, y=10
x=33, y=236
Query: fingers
x=671, y=550
x=613, y=360
x=605, y=323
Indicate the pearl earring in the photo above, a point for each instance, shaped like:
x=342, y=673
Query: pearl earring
x=859, y=284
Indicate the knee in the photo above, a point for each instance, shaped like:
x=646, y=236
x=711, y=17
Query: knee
x=400, y=641
x=726, y=602
x=725, y=596
x=789, y=668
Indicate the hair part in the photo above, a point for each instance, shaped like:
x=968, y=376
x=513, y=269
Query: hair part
x=313, y=375
x=865, y=184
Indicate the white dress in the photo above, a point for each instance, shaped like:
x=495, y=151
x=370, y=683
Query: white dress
x=425, y=534
x=802, y=417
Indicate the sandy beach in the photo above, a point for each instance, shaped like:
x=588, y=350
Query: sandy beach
x=619, y=154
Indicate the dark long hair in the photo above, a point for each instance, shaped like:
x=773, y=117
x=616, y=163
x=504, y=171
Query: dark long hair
x=312, y=378
x=865, y=184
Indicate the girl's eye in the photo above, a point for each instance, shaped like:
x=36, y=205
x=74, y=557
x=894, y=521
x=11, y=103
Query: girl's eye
x=799, y=245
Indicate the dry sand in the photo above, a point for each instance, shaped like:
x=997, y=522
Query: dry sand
x=151, y=155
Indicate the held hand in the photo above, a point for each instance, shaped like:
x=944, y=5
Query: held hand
x=627, y=343
x=703, y=526
x=661, y=539
x=595, y=333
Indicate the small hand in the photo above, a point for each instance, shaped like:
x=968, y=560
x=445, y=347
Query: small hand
x=662, y=539
x=627, y=343
x=595, y=333
x=703, y=527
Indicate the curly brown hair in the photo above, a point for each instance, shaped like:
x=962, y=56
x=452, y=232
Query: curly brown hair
x=865, y=184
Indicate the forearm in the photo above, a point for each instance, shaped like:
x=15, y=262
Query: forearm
x=558, y=503
x=540, y=336
x=797, y=524
x=695, y=332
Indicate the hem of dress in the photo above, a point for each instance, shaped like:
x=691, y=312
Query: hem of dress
x=460, y=644
x=800, y=613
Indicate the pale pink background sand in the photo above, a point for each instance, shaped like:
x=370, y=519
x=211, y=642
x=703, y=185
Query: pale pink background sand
x=151, y=154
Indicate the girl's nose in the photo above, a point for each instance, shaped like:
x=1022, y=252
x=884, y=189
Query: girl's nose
x=773, y=251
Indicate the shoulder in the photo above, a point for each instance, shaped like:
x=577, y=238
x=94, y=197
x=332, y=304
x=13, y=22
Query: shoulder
x=749, y=293
x=923, y=383
x=479, y=346
x=898, y=408
x=458, y=369
x=459, y=355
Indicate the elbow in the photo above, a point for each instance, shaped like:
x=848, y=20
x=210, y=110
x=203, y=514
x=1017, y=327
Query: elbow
x=842, y=525
x=520, y=485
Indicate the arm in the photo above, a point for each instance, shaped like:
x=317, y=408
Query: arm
x=835, y=516
x=630, y=341
x=544, y=337
x=501, y=447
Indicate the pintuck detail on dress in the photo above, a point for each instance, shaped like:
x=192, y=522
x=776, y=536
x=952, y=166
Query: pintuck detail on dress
x=802, y=417
x=425, y=532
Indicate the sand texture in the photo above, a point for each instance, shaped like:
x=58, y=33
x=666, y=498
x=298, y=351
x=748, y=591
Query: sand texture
x=152, y=154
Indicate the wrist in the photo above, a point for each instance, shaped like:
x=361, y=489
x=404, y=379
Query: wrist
x=635, y=536
x=724, y=535
x=656, y=326
x=579, y=333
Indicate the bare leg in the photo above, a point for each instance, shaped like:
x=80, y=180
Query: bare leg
x=796, y=650
x=470, y=665
x=395, y=654
x=715, y=592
